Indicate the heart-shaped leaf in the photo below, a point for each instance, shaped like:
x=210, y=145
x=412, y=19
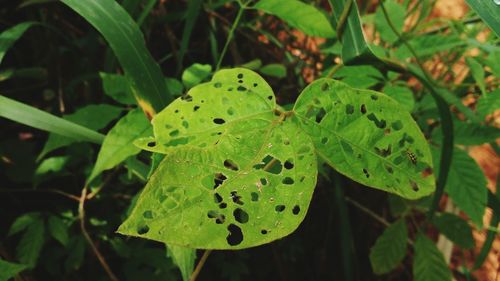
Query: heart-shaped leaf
x=238, y=175
x=366, y=136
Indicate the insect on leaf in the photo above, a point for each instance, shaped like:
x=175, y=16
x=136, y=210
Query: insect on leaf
x=366, y=136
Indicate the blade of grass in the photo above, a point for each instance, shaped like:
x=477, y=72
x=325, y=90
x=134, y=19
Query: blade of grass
x=489, y=11
x=193, y=10
x=127, y=42
x=145, y=12
x=42, y=120
x=9, y=37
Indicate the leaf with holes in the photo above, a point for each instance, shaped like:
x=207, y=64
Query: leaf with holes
x=236, y=174
x=366, y=136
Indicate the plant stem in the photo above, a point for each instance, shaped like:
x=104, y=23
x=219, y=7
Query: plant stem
x=55, y=191
x=230, y=35
x=81, y=215
x=199, y=266
x=334, y=70
x=343, y=17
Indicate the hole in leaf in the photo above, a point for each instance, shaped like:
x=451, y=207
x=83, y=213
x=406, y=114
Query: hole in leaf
x=241, y=89
x=296, y=210
x=148, y=214
x=222, y=205
x=324, y=140
x=349, y=109
x=217, y=84
x=379, y=123
x=177, y=141
x=270, y=97
x=220, y=219
x=288, y=181
x=254, y=196
x=219, y=121
x=384, y=152
x=389, y=169
x=240, y=215
x=365, y=171
x=219, y=179
x=263, y=231
x=174, y=133
x=255, y=84
x=151, y=144
x=236, y=198
x=229, y=164
x=185, y=124
x=363, y=108
x=288, y=164
x=240, y=75
x=240, y=81
x=235, y=236
x=325, y=87
x=142, y=229
x=414, y=186
x=263, y=181
x=397, y=125
x=374, y=97
x=187, y=98
x=196, y=107
x=279, y=208
x=212, y=214
x=217, y=198
x=269, y=164
x=320, y=115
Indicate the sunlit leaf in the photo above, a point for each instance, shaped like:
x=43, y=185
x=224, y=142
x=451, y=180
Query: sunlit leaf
x=195, y=74
x=366, y=136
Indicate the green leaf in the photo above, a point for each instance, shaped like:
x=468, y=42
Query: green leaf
x=366, y=136
x=429, y=45
x=77, y=253
x=297, y=14
x=474, y=134
x=127, y=42
x=29, y=247
x=455, y=228
x=429, y=263
x=42, y=120
x=48, y=167
x=118, y=144
x=488, y=11
x=220, y=185
x=22, y=222
x=92, y=117
x=193, y=10
x=397, y=14
x=195, y=74
x=9, y=270
x=466, y=185
x=9, y=37
x=390, y=248
x=59, y=230
x=403, y=95
x=183, y=258
x=355, y=50
x=477, y=72
x=274, y=69
x=117, y=87
x=488, y=103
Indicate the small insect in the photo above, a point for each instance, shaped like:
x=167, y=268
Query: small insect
x=411, y=156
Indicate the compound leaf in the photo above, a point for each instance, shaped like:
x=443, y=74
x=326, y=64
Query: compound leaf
x=429, y=263
x=366, y=136
x=455, y=228
x=8, y=270
x=240, y=177
x=390, y=248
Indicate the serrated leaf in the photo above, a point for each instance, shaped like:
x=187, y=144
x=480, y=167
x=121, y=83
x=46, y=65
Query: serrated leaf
x=477, y=72
x=29, y=247
x=183, y=258
x=489, y=103
x=9, y=270
x=429, y=263
x=403, y=95
x=397, y=16
x=221, y=186
x=58, y=230
x=390, y=248
x=455, y=228
x=118, y=144
x=466, y=185
x=22, y=222
x=366, y=136
x=94, y=117
x=474, y=134
x=300, y=15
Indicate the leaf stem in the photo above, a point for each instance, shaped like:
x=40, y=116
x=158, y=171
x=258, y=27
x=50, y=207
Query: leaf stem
x=231, y=34
x=334, y=70
x=342, y=19
x=200, y=265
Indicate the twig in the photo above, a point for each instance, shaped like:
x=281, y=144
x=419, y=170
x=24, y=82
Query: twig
x=100, y=187
x=81, y=215
x=199, y=266
x=55, y=191
x=230, y=35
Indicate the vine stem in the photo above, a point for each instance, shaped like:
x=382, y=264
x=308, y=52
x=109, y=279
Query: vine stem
x=200, y=265
x=81, y=215
x=231, y=34
x=445, y=114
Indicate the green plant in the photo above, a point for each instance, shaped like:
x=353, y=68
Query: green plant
x=225, y=166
